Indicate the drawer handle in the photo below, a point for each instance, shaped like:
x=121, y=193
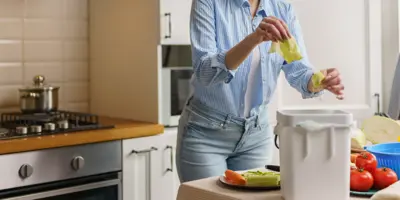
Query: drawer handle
x=169, y=34
x=144, y=151
x=171, y=169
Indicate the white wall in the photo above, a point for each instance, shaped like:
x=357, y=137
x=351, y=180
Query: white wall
x=44, y=37
x=390, y=34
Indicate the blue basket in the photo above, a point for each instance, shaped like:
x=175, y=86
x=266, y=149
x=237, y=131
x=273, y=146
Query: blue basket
x=387, y=155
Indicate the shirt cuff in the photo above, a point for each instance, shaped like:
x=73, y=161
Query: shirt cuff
x=219, y=62
x=306, y=93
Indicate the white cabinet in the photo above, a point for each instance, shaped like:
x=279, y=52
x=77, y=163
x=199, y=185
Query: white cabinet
x=149, y=171
x=141, y=165
x=345, y=35
x=174, y=23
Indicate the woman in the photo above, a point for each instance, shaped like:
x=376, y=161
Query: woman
x=224, y=124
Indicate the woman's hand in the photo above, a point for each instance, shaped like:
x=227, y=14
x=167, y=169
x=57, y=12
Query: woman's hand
x=332, y=82
x=272, y=29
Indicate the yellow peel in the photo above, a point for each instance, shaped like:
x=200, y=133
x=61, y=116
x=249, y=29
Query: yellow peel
x=288, y=49
x=317, y=79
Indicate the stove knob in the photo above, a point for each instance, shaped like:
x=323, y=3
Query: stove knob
x=63, y=124
x=21, y=130
x=36, y=129
x=78, y=163
x=49, y=127
x=25, y=171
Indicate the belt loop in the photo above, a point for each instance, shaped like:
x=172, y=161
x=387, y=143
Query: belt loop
x=227, y=120
x=256, y=122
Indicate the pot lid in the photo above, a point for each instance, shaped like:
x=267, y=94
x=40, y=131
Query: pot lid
x=39, y=84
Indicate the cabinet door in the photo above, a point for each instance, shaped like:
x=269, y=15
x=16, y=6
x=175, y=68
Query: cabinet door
x=174, y=21
x=345, y=35
x=168, y=175
x=140, y=162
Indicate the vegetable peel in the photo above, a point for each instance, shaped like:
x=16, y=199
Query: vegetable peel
x=317, y=79
x=288, y=49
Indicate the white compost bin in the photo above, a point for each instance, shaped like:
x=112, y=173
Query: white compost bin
x=314, y=149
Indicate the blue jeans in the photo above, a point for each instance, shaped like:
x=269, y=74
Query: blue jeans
x=209, y=142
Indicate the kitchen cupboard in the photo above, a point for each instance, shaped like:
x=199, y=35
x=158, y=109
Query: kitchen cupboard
x=126, y=40
x=174, y=22
x=149, y=167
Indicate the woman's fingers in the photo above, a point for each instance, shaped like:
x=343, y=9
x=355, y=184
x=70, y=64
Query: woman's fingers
x=332, y=77
x=336, y=89
x=276, y=27
x=285, y=30
x=272, y=30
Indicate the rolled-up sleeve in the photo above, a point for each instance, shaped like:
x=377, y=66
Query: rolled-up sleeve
x=208, y=62
x=299, y=73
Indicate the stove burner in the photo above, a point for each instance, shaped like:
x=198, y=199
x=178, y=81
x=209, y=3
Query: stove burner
x=49, y=126
x=21, y=130
x=63, y=124
x=19, y=125
x=35, y=129
x=3, y=132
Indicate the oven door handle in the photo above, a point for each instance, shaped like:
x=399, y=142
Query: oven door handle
x=68, y=190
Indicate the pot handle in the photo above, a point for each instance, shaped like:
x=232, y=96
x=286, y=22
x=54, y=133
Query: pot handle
x=30, y=95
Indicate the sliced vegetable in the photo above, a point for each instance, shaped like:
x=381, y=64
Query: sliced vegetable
x=367, y=161
x=353, y=157
x=384, y=177
x=353, y=166
x=361, y=180
x=258, y=178
x=379, y=129
x=358, y=138
x=235, y=177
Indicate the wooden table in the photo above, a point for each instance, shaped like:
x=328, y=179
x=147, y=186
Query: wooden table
x=212, y=189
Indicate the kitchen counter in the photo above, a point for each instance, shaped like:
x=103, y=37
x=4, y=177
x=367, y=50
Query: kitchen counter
x=124, y=129
x=213, y=189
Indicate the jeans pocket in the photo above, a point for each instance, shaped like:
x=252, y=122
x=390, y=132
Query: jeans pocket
x=200, y=120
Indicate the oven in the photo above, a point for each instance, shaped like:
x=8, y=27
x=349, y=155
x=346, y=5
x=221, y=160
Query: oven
x=176, y=75
x=100, y=187
x=83, y=172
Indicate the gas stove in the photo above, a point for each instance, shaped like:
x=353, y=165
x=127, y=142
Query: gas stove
x=19, y=125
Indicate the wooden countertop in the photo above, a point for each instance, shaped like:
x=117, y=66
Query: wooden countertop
x=124, y=129
x=213, y=189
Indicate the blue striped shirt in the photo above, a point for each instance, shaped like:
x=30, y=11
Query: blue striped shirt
x=218, y=25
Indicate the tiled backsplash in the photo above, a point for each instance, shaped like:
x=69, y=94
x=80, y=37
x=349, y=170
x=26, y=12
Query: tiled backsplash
x=46, y=37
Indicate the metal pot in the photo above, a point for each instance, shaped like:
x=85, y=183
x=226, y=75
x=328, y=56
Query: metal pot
x=39, y=98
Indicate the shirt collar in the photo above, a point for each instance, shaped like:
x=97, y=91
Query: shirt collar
x=262, y=7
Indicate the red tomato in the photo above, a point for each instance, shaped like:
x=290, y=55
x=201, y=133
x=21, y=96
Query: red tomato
x=384, y=177
x=361, y=180
x=367, y=161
